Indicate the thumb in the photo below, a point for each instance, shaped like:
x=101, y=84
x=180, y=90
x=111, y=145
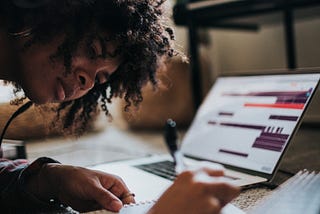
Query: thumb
x=107, y=200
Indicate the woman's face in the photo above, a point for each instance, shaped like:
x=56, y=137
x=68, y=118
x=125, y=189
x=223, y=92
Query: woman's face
x=46, y=81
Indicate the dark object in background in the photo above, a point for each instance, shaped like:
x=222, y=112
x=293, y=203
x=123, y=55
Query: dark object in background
x=14, y=149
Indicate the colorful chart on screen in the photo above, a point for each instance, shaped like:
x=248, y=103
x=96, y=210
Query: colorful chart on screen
x=247, y=121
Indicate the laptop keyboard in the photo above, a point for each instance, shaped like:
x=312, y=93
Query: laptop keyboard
x=165, y=169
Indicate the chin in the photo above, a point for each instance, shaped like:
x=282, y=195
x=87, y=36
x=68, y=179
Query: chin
x=39, y=100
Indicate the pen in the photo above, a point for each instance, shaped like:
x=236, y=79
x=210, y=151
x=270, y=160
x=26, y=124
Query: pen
x=171, y=140
x=170, y=136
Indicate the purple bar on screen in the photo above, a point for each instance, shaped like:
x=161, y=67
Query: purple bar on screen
x=233, y=153
x=272, y=140
x=268, y=148
x=226, y=113
x=283, y=117
x=296, y=97
x=278, y=94
x=274, y=135
x=292, y=100
x=265, y=143
x=243, y=126
x=212, y=122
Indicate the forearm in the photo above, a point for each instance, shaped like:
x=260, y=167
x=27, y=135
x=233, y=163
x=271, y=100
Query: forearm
x=43, y=184
x=15, y=177
x=10, y=172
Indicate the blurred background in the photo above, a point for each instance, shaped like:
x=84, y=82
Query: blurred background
x=245, y=40
x=253, y=41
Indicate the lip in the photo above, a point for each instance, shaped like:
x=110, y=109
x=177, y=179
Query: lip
x=60, y=91
x=69, y=90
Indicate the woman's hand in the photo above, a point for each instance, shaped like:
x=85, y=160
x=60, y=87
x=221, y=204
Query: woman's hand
x=188, y=194
x=82, y=189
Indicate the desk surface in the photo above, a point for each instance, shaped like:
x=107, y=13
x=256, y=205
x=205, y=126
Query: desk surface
x=116, y=144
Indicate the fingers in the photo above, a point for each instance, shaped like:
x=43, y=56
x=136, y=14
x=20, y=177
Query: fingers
x=107, y=200
x=206, y=179
x=215, y=205
x=127, y=198
x=113, y=192
x=223, y=191
x=118, y=188
x=211, y=172
x=203, y=170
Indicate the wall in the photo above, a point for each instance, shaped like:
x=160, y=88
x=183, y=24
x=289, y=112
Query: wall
x=265, y=49
x=237, y=51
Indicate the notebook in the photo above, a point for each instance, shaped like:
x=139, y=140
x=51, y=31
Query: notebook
x=304, y=186
x=245, y=123
x=143, y=207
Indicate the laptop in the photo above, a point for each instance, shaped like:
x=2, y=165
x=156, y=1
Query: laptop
x=245, y=123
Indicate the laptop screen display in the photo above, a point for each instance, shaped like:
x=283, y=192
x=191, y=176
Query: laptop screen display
x=247, y=121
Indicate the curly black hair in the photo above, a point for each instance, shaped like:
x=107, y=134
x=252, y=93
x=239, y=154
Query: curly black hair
x=138, y=26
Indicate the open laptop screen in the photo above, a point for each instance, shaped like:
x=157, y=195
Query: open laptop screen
x=247, y=121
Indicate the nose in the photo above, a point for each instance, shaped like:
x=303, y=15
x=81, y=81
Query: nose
x=85, y=81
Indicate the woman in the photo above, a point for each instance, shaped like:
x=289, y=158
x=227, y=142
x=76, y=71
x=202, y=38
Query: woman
x=80, y=53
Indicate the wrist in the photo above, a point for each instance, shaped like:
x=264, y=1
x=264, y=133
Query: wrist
x=37, y=181
x=48, y=182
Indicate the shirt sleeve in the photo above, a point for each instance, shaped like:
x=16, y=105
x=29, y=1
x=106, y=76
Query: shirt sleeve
x=13, y=195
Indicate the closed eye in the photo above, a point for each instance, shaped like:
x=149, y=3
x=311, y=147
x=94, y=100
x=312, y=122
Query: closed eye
x=97, y=81
x=101, y=78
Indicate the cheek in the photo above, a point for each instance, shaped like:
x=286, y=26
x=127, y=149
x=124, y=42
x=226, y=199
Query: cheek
x=39, y=78
x=34, y=64
x=40, y=71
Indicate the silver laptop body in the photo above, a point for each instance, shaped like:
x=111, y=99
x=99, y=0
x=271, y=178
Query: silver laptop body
x=245, y=124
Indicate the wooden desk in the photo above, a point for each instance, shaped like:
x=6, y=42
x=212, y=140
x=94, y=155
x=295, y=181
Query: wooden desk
x=304, y=153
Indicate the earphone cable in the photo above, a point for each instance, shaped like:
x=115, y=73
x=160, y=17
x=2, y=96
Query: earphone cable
x=19, y=111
